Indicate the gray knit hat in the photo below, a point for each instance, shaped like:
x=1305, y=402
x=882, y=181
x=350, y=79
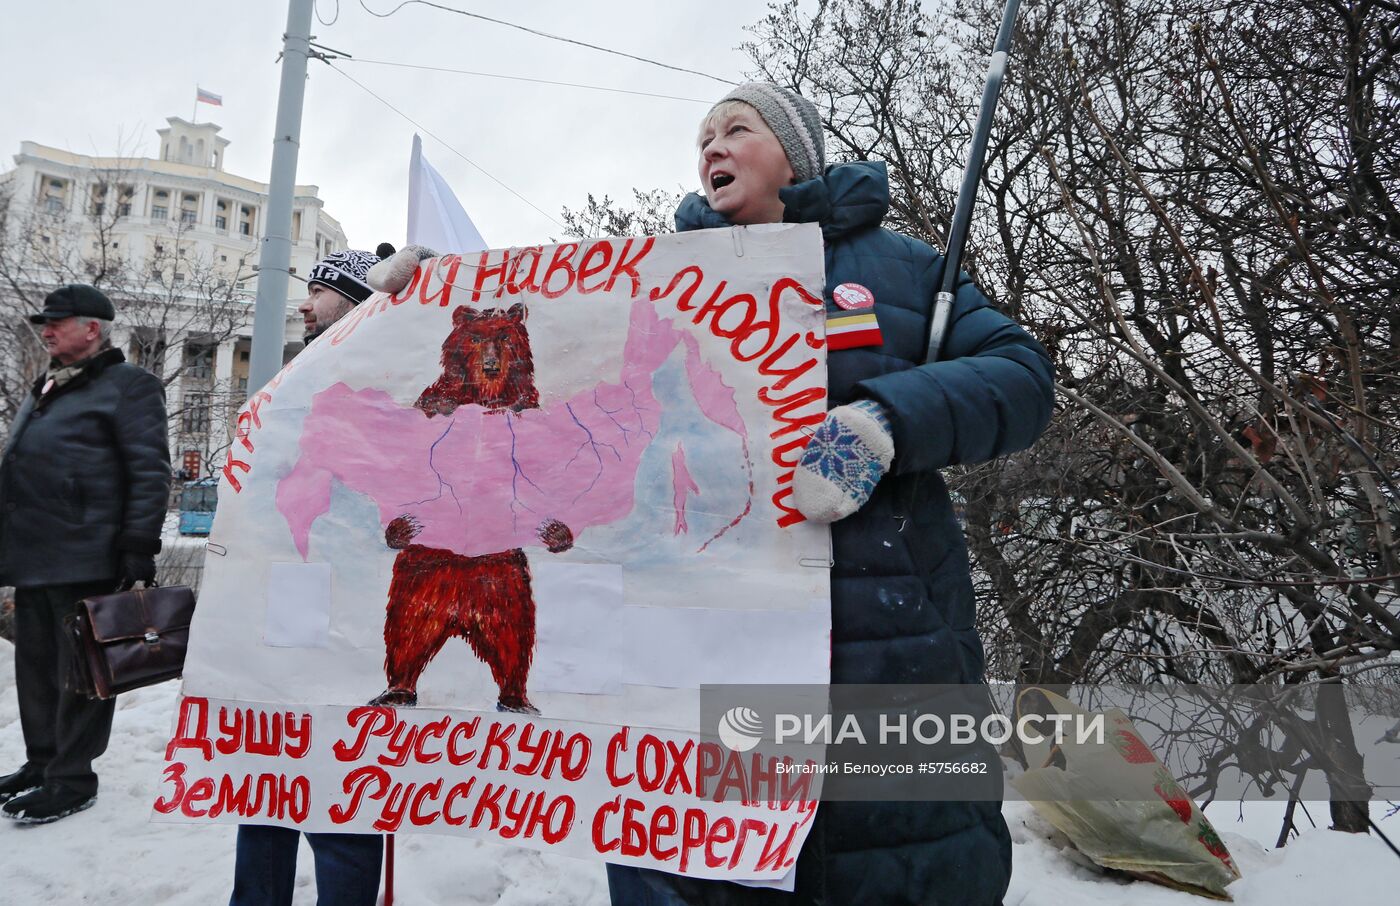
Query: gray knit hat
x=793, y=119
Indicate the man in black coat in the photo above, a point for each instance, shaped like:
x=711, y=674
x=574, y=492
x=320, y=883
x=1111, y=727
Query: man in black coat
x=84, y=486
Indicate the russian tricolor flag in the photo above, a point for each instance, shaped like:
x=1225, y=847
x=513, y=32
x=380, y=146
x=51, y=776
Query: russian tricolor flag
x=207, y=97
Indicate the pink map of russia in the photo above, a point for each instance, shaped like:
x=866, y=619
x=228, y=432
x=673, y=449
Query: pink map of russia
x=482, y=480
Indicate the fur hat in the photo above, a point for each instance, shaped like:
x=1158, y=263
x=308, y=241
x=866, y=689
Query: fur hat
x=345, y=271
x=793, y=119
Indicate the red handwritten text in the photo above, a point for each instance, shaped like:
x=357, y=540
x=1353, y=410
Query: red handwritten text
x=754, y=333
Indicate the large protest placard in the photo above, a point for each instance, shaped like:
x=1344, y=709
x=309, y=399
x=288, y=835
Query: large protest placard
x=478, y=546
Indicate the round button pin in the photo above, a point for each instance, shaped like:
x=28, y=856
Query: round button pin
x=852, y=295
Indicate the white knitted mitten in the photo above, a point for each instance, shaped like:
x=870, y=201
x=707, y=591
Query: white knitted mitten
x=846, y=457
x=393, y=273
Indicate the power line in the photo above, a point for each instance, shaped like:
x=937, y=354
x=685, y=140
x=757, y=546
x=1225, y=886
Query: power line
x=315, y=5
x=542, y=34
x=493, y=75
x=430, y=134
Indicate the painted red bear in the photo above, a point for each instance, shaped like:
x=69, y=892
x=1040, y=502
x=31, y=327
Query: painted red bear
x=436, y=594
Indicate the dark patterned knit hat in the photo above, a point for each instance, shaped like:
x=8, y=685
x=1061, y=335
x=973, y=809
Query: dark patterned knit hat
x=345, y=273
x=793, y=119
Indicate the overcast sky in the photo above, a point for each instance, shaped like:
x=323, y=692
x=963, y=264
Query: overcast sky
x=100, y=77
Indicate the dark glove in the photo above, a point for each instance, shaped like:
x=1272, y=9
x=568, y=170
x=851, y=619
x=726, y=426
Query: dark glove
x=136, y=568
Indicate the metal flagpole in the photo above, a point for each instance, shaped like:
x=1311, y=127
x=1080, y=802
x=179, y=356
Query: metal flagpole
x=270, y=310
x=962, y=214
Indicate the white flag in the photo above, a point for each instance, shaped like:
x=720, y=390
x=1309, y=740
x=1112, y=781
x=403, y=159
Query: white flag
x=435, y=216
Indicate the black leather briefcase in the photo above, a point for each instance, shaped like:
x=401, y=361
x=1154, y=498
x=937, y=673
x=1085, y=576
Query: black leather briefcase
x=130, y=639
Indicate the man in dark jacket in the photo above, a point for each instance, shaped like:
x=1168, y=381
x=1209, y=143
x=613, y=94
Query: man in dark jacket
x=902, y=608
x=84, y=486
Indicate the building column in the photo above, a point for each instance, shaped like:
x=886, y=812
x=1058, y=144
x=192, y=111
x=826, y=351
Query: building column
x=223, y=363
x=140, y=207
x=174, y=358
x=174, y=396
x=226, y=399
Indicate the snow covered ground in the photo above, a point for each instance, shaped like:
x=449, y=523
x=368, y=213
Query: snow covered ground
x=111, y=854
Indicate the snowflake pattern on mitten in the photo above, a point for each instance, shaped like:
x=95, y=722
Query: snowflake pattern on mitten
x=843, y=462
x=837, y=454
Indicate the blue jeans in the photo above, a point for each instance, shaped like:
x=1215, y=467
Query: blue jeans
x=265, y=870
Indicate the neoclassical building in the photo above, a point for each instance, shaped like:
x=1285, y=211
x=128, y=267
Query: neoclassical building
x=184, y=234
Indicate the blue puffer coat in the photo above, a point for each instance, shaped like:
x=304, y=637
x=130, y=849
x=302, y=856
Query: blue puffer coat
x=901, y=593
